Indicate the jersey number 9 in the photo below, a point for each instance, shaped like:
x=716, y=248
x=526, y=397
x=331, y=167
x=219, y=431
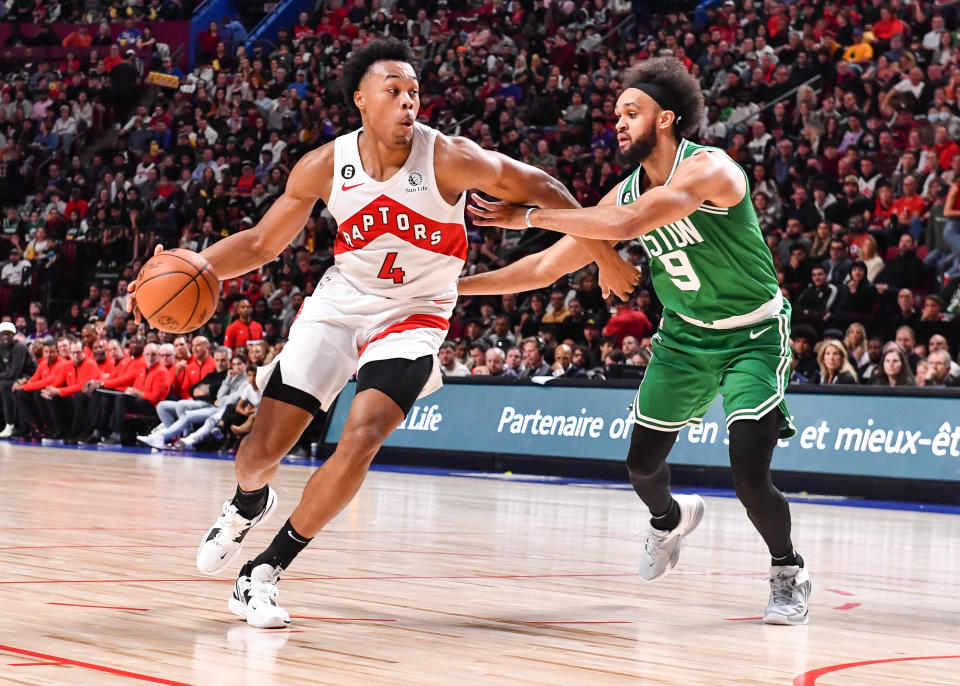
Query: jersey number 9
x=678, y=266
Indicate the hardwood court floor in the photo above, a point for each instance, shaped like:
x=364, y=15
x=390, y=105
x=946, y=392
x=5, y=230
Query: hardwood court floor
x=450, y=580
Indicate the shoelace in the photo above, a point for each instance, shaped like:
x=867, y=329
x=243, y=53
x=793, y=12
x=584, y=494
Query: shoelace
x=782, y=588
x=265, y=590
x=230, y=523
x=655, y=539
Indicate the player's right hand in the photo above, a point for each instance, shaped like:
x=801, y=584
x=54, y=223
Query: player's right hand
x=131, y=304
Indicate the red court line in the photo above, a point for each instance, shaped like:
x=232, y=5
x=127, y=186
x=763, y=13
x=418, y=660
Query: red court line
x=103, y=607
x=323, y=578
x=839, y=592
x=742, y=619
x=810, y=678
x=344, y=619
x=847, y=606
x=95, y=667
x=616, y=621
x=34, y=664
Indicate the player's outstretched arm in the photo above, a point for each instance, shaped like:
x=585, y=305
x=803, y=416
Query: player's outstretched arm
x=529, y=273
x=534, y=271
x=470, y=166
x=242, y=252
x=245, y=251
x=703, y=177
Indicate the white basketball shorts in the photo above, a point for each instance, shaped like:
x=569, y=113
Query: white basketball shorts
x=340, y=329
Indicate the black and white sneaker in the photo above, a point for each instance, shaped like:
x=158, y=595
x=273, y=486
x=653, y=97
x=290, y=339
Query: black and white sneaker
x=255, y=596
x=223, y=540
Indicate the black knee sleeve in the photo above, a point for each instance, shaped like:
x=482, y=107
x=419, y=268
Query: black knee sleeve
x=648, y=450
x=647, y=466
x=285, y=393
x=400, y=379
x=751, y=448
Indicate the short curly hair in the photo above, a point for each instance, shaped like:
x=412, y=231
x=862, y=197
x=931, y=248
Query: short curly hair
x=669, y=72
x=360, y=61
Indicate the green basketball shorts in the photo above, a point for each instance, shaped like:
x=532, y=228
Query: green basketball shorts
x=748, y=366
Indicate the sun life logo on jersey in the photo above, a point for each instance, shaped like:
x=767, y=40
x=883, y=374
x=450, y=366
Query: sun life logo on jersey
x=415, y=181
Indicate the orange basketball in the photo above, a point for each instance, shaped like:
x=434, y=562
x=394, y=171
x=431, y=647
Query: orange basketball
x=177, y=291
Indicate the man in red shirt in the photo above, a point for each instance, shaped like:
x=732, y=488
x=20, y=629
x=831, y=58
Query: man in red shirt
x=113, y=59
x=888, y=25
x=243, y=329
x=142, y=396
x=199, y=365
x=944, y=147
x=27, y=395
x=910, y=207
x=628, y=322
x=181, y=351
x=105, y=362
x=66, y=416
x=102, y=403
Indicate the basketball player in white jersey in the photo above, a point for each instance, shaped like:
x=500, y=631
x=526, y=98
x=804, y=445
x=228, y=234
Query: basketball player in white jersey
x=397, y=191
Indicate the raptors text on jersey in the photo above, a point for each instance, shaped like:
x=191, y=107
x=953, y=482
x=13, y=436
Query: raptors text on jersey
x=397, y=238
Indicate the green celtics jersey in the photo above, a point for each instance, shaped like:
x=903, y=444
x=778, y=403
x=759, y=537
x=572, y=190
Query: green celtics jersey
x=711, y=265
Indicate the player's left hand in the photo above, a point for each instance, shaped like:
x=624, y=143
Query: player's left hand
x=506, y=215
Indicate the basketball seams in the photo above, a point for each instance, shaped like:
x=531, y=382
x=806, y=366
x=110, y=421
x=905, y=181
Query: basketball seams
x=174, y=296
x=157, y=276
x=196, y=303
x=173, y=253
x=204, y=270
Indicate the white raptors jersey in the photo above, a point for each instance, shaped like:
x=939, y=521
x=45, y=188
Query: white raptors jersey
x=397, y=238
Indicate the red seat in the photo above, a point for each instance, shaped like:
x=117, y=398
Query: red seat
x=892, y=252
x=922, y=252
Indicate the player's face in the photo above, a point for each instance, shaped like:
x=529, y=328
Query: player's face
x=389, y=100
x=637, y=116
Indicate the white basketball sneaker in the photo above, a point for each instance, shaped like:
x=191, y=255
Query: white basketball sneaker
x=255, y=596
x=790, y=588
x=661, y=550
x=224, y=539
x=154, y=440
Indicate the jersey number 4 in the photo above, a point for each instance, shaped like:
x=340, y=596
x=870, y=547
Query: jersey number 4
x=388, y=271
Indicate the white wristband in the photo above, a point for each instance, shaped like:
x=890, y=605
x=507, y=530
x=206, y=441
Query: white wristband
x=527, y=217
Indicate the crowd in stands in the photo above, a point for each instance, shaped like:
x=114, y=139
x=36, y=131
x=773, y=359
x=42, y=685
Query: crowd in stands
x=844, y=114
x=93, y=11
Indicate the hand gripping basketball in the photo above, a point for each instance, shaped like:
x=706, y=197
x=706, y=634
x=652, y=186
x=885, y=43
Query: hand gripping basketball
x=176, y=291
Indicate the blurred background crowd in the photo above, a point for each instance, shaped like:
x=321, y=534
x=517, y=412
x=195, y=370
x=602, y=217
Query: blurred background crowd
x=843, y=113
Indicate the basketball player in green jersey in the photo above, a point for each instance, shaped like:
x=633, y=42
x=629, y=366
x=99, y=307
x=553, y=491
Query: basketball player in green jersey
x=725, y=325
